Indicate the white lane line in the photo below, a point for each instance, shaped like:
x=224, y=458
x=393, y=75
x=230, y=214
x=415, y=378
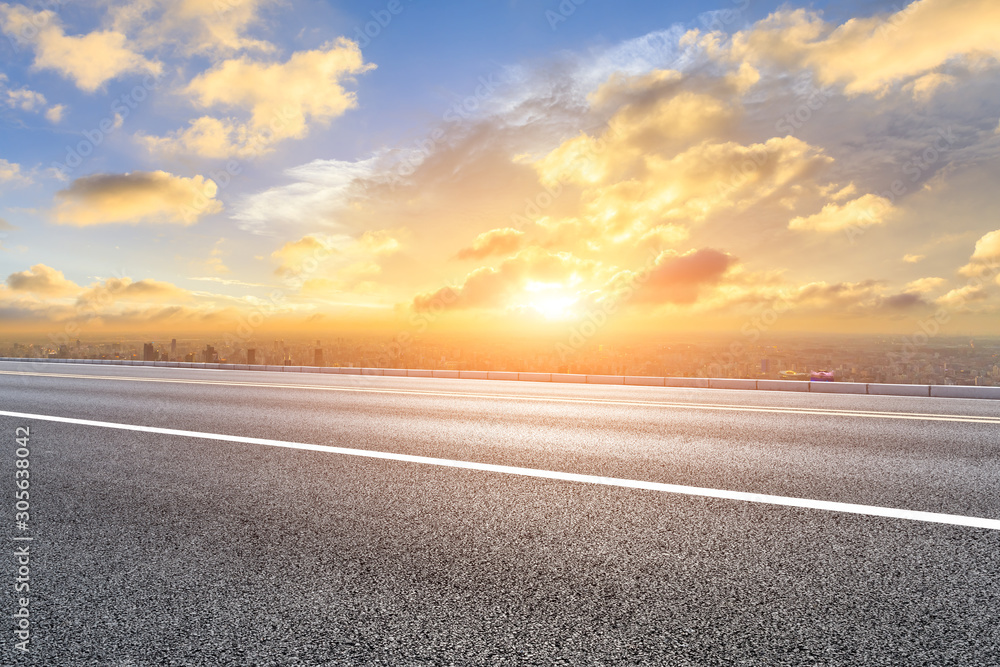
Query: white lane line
x=975, y=419
x=806, y=503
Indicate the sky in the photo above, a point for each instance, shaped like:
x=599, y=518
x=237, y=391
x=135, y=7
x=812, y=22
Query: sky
x=499, y=166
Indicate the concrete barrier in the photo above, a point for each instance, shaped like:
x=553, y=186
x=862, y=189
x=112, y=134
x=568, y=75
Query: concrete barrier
x=725, y=383
x=569, y=377
x=644, y=380
x=782, y=385
x=952, y=391
x=605, y=379
x=899, y=389
x=838, y=387
x=936, y=391
x=696, y=383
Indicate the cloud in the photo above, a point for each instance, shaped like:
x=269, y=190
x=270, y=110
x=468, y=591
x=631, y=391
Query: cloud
x=282, y=100
x=913, y=259
x=963, y=296
x=322, y=263
x=55, y=113
x=207, y=137
x=10, y=172
x=859, y=213
x=136, y=197
x=125, y=289
x=194, y=27
x=502, y=241
x=680, y=278
x=489, y=288
x=985, y=258
x=24, y=99
x=924, y=87
x=305, y=254
x=867, y=55
x=323, y=188
x=903, y=301
x=43, y=281
x=925, y=284
x=89, y=60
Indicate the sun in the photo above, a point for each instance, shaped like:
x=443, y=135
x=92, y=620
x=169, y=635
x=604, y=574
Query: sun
x=549, y=300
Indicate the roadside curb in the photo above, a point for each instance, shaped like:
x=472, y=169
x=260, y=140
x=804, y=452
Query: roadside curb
x=873, y=389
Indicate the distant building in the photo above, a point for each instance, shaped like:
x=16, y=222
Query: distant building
x=318, y=357
x=173, y=347
x=148, y=352
x=251, y=356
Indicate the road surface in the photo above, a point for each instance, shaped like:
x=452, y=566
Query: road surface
x=213, y=535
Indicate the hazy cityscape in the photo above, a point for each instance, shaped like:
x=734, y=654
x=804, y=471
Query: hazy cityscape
x=889, y=359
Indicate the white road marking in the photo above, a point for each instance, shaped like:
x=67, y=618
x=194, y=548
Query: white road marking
x=872, y=414
x=806, y=503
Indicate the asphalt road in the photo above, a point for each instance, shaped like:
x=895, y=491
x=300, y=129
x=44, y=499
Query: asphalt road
x=158, y=549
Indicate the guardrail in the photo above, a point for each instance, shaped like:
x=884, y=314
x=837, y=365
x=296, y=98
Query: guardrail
x=874, y=389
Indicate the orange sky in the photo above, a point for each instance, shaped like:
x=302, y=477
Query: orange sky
x=805, y=173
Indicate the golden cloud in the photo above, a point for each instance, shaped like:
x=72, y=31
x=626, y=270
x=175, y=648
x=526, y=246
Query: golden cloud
x=89, y=60
x=320, y=264
x=986, y=257
x=859, y=213
x=136, y=197
x=679, y=279
x=307, y=253
x=501, y=241
x=281, y=98
x=42, y=280
x=125, y=289
x=963, y=296
x=869, y=54
x=207, y=137
x=925, y=284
